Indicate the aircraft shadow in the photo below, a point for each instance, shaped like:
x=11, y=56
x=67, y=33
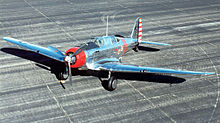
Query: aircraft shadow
x=149, y=49
x=41, y=61
x=56, y=67
x=144, y=77
x=148, y=77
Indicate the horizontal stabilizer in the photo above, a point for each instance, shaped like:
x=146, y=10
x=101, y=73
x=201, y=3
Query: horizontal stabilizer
x=155, y=43
x=49, y=52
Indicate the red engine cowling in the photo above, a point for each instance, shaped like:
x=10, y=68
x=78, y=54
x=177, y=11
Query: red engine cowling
x=80, y=58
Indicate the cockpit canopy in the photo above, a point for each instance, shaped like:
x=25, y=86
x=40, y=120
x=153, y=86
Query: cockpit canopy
x=104, y=41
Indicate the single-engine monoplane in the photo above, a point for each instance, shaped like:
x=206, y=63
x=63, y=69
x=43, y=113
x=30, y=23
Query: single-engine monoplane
x=103, y=54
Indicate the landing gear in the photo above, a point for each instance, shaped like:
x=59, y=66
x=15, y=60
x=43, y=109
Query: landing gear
x=64, y=74
x=136, y=48
x=112, y=83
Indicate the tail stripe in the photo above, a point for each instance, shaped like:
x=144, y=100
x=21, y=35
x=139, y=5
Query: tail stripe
x=140, y=30
x=137, y=30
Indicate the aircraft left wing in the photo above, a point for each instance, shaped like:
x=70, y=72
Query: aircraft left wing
x=51, y=51
x=118, y=67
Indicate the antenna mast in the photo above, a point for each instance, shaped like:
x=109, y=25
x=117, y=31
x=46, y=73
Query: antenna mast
x=107, y=27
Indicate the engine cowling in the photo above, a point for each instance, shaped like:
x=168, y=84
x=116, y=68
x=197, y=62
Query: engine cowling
x=80, y=58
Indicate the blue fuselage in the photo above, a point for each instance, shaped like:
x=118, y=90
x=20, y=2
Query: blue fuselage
x=108, y=48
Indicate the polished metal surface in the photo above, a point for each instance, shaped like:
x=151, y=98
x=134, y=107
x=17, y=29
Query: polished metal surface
x=29, y=93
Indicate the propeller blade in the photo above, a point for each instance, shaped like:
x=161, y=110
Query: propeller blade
x=70, y=73
x=78, y=51
x=68, y=59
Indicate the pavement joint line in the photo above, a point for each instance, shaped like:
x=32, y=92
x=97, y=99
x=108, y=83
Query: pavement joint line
x=48, y=119
x=69, y=2
x=51, y=82
x=217, y=77
x=25, y=103
x=73, y=114
x=212, y=82
x=175, y=92
x=22, y=63
x=118, y=113
x=205, y=68
x=145, y=98
x=173, y=10
x=179, y=11
x=71, y=37
x=66, y=95
x=208, y=42
x=169, y=112
x=45, y=83
x=217, y=99
x=202, y=78
x=52, y=94
x=8, y=57
x=54, y=97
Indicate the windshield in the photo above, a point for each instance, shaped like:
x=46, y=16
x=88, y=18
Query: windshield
x=99, y=41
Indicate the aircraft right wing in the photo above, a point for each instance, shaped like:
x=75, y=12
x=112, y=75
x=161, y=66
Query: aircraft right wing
x=118, y=67
x=51, y=51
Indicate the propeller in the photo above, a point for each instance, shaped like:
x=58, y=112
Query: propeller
x=71, y=59
x=70, y=73
x=78, y=51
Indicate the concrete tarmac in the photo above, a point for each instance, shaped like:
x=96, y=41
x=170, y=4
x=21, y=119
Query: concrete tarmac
x=29, y=93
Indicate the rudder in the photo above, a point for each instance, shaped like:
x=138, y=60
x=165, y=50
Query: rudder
x=137, y=30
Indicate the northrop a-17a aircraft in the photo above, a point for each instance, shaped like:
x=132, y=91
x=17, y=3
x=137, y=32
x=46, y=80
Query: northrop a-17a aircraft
x=102, y=54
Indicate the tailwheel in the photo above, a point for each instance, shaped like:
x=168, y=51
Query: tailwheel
x=112, y=83
x=136, y=48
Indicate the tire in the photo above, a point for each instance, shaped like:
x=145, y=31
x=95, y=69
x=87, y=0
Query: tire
x=112, y=83
x=136, y=49
x=64, y=74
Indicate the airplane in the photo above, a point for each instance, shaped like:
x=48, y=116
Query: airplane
x=103, y=54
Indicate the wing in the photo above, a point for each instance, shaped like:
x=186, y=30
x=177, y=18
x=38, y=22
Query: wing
x=118, y=67
x=155, y=43
x=51, y=52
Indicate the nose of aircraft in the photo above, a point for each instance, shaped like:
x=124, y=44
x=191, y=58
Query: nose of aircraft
x=78, y=60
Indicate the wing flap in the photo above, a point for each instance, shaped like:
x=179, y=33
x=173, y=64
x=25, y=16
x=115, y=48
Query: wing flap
x=49, y=52
x=117, y=67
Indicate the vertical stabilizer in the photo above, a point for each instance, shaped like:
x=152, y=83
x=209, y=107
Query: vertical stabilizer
x=137, y=30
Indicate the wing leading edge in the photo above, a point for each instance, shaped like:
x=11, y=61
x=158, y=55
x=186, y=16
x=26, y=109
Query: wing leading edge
x=51, y=52
x=118, y=67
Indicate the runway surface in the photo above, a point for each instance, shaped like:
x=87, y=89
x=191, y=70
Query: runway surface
x=29, y=93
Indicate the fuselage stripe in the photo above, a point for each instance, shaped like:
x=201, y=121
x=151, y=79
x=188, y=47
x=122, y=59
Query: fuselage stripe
x=125, y=44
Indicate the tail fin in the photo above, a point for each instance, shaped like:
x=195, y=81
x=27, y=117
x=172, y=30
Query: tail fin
x=137, y=30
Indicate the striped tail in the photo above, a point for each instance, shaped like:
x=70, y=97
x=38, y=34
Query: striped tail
x=137, y=30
